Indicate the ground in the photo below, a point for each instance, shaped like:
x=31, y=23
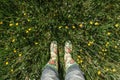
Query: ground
x=28, y=27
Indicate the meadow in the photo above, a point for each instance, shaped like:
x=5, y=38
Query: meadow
x=27, y=28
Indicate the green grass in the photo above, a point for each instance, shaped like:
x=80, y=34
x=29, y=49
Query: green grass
x=28, y=27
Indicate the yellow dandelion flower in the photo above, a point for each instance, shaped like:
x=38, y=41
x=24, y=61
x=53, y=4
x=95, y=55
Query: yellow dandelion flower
x=103, y=50
x=79, y=56
x=107, y=44
x=91, y=22
x=1, y=22
x=73, y=27
x=13, y=40
x=11, y=70
x=14, y=51
x=81, y=61
x=116, y=46
x=116, y=25
x=7, y=63
x=96, y=23
x=36, y=43
x=90, y=43
x=83, y=66
x=60, y=27
x=104, y=53
x=24, y=14
x=16, y=24
x=66, y=27
x=113, y=70
x=81, y=25
x=99, y=72
x=20, y=55
x=10, y=24
x=107, y=69
x=108, y=33
x=28, y=20
x=27, y=31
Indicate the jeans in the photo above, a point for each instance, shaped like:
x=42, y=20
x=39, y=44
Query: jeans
x=72, y=73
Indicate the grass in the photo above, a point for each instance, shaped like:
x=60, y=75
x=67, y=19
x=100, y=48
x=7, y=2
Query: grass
x=28, y=27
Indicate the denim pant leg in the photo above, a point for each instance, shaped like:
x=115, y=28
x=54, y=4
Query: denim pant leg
x=74, y=73
x=49, y=73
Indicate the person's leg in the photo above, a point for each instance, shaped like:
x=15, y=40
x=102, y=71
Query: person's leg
x=50, y=71
x=73, y=71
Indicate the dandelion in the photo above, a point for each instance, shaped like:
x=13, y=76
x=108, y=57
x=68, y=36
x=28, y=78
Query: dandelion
x=36, y=43
x=116, y=25
x=107, y=44
x=24, y=14
x=90, y=43
x=7, y=63
x=27, y=31
x=73, y=27
x=66, y=27
x=1, y=22
x=60, y=27
x=28, y=20
x=107, y=69
x=16, y=24
x=113, y=70
x=96, y=23
x=104, y=53
x=10, y=24
x=79, y=57
x=108, y=33
x=83, y=66
x=104, y=50
x=20, y=55
x=14, y=51
x=99, y=72
x=116, y=46
x=11, y=70
x=81, y=25
x=91, y=22
x=81, y=61
x=13, y=40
